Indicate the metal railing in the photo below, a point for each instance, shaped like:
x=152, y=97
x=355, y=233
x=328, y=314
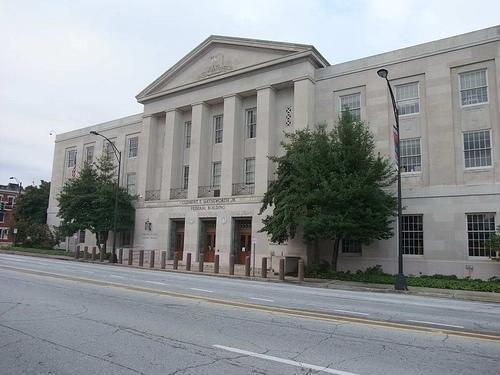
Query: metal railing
x=208, y=191
x=178, y=193
x=152, y=195
x=243, y=189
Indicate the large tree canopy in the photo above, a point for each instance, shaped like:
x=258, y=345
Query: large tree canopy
x=333, y=186
x=87, y=202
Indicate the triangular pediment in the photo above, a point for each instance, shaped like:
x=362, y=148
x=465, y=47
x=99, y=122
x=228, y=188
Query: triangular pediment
x=218, y=57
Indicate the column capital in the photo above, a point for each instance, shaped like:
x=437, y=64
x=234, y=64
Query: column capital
x=231, y=96
x=265, y=87
x=195, y=104
x=302, y=78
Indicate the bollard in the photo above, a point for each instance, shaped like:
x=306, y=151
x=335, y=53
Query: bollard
x=301, y=271
x=263, y=270
x=86, y=252
x=200, y=263
x=231, y=265
x=247, y=266
x=141, y=258
x=101, y=255
x=77, y=252
x=93, y=254
x=163, y=261
x=120, y=256
x=216, y=263
x=188, y=262
x=282, y=269
x=176, y=261
x=130, y=257
x=152, y=259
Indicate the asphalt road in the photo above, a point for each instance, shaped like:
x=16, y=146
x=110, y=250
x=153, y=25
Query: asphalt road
x=52, y=324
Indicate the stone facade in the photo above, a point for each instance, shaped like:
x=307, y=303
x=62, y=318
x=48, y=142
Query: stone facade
x=210, y=121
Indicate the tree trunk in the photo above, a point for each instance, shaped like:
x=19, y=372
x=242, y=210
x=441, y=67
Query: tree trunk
x=335, y=255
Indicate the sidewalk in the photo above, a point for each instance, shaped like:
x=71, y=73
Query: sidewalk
x=309, y=282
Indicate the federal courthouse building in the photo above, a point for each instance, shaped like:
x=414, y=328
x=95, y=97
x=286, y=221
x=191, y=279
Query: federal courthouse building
x=197, y=156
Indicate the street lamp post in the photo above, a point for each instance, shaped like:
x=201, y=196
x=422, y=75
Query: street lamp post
x=118, y=155
x=400, y=282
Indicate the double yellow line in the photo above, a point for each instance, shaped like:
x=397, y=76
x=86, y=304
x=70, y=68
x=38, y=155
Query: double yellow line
x=271, y=309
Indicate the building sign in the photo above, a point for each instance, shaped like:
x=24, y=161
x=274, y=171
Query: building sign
x=208, y=204
x=216, y=66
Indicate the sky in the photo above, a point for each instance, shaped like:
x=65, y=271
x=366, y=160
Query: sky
x=70, y=64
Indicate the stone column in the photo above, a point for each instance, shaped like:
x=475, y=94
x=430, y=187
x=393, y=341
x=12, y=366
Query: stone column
x=197, y=161
x=232, y=132
x=266, y=100
x=171, y=153
x=303, y=103
x=146, y=151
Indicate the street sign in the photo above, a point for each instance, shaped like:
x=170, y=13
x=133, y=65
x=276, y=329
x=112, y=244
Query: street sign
x=254, y=239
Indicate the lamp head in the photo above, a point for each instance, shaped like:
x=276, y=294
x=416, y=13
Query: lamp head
x=94, y=132
x=383, y=73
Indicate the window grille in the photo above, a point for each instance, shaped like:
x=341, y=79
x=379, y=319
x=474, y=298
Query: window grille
x=187, y=134
x=71, y=158
x=185, y=177
x=251, y=122
x=473, y=87
x=81, y=236
x=218, y=127
x=250, y=171
x=351, y=246
x=352, y=103
x=477, y=148
x=480, y=226
x=133, y=146
x=411, y=155
x=407, y=99
x=289, y=116
x=131, y=182
x=412, y=234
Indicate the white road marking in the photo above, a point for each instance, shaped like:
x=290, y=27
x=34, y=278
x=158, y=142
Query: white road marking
x=351, y=312
x=202, y=290
x=155, y=282
x=116, y=276
x=437, y=324
x=86, y=271
x=262, y=299
x=285, y=361
x=20, y=260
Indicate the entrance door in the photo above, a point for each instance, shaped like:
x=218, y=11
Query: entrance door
x=209, y=245
x=179, y=240
x=244, y=238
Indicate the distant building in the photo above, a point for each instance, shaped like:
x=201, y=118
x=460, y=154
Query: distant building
x=197, y=155
x=8, y=197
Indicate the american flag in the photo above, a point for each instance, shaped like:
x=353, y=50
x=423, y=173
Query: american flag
x=395, y=135
x=73, y=171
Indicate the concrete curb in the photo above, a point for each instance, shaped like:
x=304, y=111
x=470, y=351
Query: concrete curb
x=312, y=283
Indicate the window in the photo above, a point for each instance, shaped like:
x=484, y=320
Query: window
x=4, y=233
x=89, y=154
x=289, y=115
x=187, y=134
x=251, y=121
x=411, y=156
x=2, y=217
x=133, y=146
x=412, y=234
x=353, y=104
x=109, y=150
x=250, y=171
x=351, y=246
x=10, y=200
x=407, y=99
x=473, y=87
x=218, y=129
x=480, y=226
x=71, y=158
x=131, y=181
x=477, y=148
x=81, y=236
x=185, y=177
x=216, y=173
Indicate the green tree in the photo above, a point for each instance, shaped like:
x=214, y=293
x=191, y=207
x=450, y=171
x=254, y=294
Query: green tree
x=87, y=202
x=333, y=186
x=31, y=217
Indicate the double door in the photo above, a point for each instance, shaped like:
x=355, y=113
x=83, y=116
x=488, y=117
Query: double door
x=244, y=241
x=209, y=245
